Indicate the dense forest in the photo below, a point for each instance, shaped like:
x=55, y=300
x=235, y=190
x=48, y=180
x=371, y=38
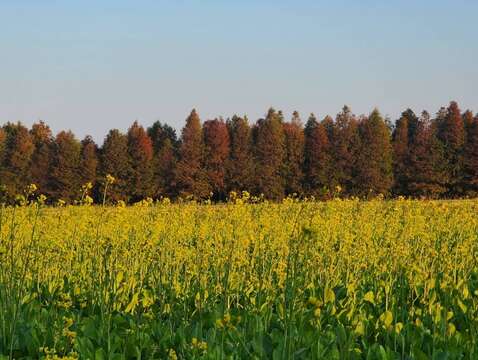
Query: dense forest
x=364, y=156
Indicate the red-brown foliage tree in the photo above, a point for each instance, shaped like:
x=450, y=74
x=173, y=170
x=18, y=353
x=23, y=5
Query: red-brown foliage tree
x=15, y=170
x=140, y=150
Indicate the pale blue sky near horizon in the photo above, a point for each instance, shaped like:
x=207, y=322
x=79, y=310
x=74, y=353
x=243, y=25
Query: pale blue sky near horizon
x=90, y=66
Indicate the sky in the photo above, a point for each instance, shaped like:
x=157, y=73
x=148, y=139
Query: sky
x=90, y=66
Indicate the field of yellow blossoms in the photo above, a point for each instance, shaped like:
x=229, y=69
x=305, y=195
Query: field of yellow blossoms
x=343, y=279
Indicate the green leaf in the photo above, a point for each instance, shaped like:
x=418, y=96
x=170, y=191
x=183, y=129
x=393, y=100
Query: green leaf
x=419, y=355
x=99, y=354
x=89, y=329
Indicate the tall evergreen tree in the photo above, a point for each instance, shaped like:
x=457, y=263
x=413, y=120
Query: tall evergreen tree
x=269, y=151
x=88, y=161
x=400, y=156
x=374, y=171
x=467, y=122
x=2, y=146
x=165, y=166
x=451, y=133
x=345, y=147
x=18, y=149
x=240, y=164
x=65, y=172
x=159, y=133
x=294, y=158
x=317, y=158
x=140, y=150
x=403, y=135
x=115, y=161
x=190, y=176
x=41, y=158
x=3, y=140
x=216, y=145
x=329, y=126
x=470, y=166
x=427, y=167
x=165, y=145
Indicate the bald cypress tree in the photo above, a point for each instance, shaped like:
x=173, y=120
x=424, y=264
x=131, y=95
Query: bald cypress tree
x=468, y=120
x=269, y=153
x=403, y=135
x=65, y=172
x=317, y=158
x=470, y=166
x=374, y=170
x=451, y=128
x=165, y=145
x=3, y=190
x=159, y=133
x=451, y=133
x=18, y=149
x=88, y=161
x=115, y=161
x=345, y=143
x=329, y=125
x=140, y=151
x=41, y=158
x=2, y=145
x=294, y=158
x=239, y=176
x=427, y=166
x=165, y=166
x=400, y=156
x=216, y=146
x=190, y=176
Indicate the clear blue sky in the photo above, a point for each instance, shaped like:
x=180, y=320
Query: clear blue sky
x=91, y=65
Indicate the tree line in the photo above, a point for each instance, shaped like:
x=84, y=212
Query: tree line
x=363, y=156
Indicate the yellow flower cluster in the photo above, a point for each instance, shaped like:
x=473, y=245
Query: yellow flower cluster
x=343, y=259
